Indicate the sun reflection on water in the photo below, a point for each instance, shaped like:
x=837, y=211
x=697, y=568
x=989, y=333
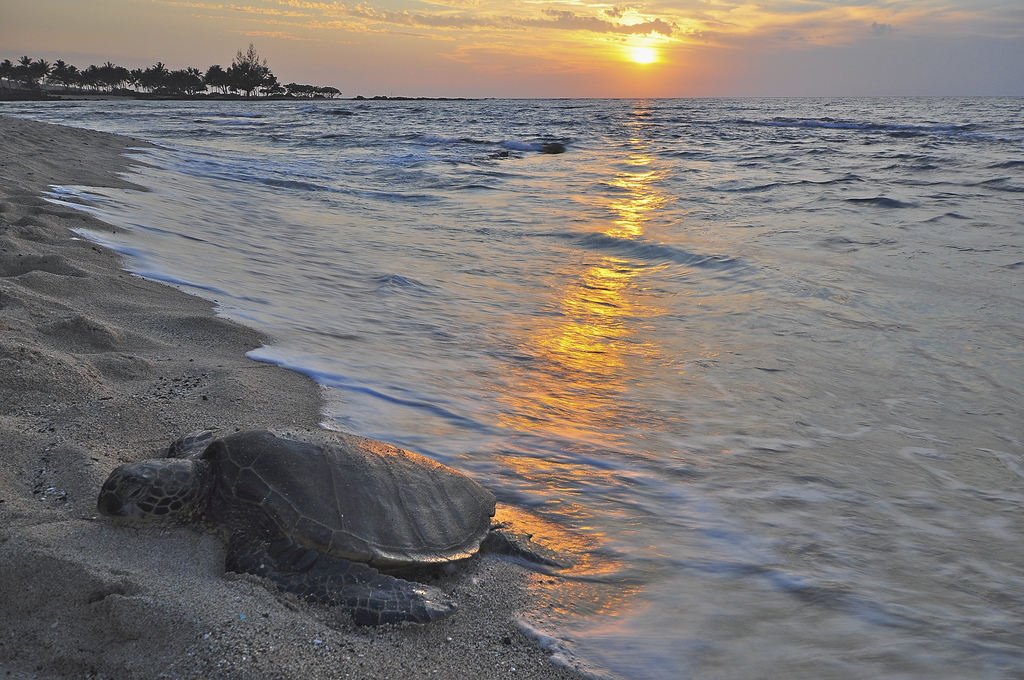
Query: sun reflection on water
x=587, y=352
x=584, y=356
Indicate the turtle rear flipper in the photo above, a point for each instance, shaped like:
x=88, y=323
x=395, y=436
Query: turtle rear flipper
x=504, y=540
x=371, y=597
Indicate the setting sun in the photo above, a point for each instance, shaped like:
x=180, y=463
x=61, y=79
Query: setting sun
x=643, y=55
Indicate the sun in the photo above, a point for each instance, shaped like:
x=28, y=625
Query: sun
x=641, y=54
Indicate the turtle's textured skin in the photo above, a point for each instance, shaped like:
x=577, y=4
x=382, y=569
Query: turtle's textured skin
x=317, y=517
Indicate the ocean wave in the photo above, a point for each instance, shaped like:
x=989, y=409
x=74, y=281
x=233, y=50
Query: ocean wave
x=649, y=252
x=865, y=126
x=513, y=145
x=551, y=146
x=949, y=215
x=339, y=381
x=1001, y=184
x=247, y=121
x=434, y=139
x=882, y=202
x=298, y=185
x=737, y=186
x=232, y=114
x=391, y=196
x=319, y=110
x=390, y=283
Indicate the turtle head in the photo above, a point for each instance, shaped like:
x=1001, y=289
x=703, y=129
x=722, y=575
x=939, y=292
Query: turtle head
x=165, y=490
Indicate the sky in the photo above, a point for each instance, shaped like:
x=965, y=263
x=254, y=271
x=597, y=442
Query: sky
x=553, y=48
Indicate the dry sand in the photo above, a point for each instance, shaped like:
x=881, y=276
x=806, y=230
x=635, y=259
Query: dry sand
x=100, y=367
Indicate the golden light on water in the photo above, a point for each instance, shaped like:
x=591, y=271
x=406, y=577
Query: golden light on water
x=632, y=210
x=583, y=358
x=585, y=353
x=581, y=365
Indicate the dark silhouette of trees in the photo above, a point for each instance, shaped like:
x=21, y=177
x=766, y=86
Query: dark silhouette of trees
x=271, y=87
x=6, y=70
x=29, y=73
x=248, y=74
x=310, y=91
x=23, y=70
x=114, y=77
x=38, y=70
x=217, y=77
x=188, y=82
x=135, y=77
x=153, y=77
x=91, y=77
x=63, y=74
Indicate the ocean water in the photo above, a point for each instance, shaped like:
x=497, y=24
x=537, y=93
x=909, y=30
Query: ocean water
x=756, y=366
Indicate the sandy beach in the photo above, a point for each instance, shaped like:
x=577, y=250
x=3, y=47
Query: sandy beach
x=99, y=367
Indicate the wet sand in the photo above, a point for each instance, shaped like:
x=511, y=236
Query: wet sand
x=100, y=367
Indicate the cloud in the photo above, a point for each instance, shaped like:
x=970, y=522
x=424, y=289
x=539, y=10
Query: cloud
x=283, y=35
x=567, y=20
x=596, y=22
x=460, y=4
x=461, y=15
x=619, y=11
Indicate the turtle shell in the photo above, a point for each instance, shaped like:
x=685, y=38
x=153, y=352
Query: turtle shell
x=352, y=497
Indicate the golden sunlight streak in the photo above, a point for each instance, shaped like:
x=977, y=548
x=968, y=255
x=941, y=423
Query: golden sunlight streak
x=632, y=209
x=581, y=370
x=586, y=354
x=588, y=586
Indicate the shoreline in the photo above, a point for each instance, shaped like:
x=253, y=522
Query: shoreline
x=8, y=95
x=102, y=367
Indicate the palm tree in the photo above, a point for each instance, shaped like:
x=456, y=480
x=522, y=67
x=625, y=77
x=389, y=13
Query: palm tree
x=155, y=77
x=108, y=75
x=135, y=77
x=73, y=76
x=58, y=75
x=92, y=77
x=22, y=72
x=38, y=70
x=188, y=82
x=217, y=77
x=123, y=76
x=30, y=72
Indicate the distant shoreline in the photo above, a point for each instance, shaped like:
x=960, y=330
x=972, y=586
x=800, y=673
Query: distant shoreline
x=11, y=95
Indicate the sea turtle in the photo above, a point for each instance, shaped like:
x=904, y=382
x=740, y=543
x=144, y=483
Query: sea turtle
x=318, y=515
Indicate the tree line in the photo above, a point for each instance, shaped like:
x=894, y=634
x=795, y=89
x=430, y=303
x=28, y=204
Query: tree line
x=248, y=75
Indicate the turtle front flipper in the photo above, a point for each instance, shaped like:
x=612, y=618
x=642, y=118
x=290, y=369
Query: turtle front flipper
x=372, y=598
